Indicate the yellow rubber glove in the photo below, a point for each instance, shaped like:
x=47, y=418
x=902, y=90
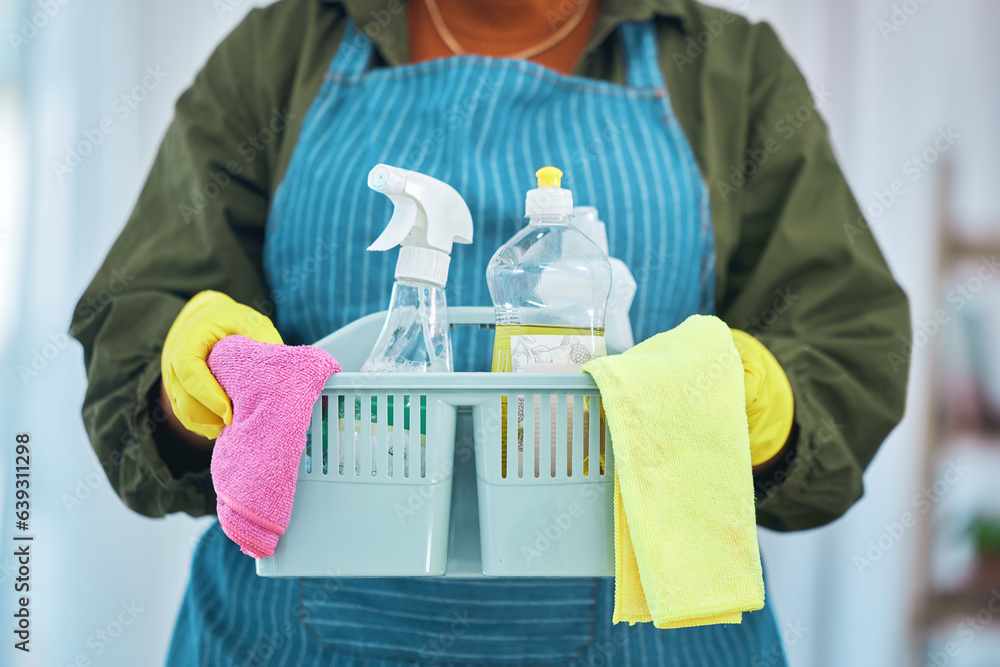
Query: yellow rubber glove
x=770, y=405
x=198, y=401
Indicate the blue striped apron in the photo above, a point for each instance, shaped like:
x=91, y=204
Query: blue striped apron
x=483, y=125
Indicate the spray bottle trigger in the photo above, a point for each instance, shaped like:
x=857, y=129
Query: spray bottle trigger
x=404, y=218
x=455, y=223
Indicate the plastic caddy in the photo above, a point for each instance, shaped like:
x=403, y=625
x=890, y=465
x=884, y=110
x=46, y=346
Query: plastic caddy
x=433, y=498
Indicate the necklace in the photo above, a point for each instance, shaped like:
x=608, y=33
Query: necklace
x=449, y=39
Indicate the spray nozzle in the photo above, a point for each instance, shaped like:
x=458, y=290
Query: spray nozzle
x=428, y=213
x=428, y=216
x=387, y=180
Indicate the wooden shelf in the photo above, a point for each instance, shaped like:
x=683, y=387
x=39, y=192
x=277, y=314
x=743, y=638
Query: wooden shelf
x=931, y=609
x=984, y=437
x=943, y=608
x=954, y=248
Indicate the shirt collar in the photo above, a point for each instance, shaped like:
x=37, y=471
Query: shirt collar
x=642, y=10
x=384, y=20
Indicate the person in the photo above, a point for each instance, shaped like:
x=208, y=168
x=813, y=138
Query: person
x=689, y=128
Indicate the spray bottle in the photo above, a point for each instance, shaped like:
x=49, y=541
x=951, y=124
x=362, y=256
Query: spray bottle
x=428, y=216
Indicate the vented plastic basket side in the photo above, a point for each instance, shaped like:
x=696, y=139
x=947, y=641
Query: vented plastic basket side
x=549, y=512
x=359, y=510
x=371, y=499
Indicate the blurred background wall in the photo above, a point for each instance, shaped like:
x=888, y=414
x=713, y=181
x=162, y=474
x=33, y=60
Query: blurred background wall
x=889, y=76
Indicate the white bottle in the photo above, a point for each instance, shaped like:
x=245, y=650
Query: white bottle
x=617, y=326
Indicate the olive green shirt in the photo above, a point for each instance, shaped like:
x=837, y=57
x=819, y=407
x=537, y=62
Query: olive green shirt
x=797, y=266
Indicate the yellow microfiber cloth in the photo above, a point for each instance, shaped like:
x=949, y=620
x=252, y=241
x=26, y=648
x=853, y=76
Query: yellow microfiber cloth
x=685, y=530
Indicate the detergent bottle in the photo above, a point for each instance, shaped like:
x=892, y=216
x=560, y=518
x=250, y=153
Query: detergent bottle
x=550, y=286
x=428, y=217
x=618, y=327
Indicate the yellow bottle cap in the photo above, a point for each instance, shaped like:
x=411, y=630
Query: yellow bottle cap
x=549, y=176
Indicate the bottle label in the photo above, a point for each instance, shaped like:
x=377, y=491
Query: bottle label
x=545, y=349
x=531, y=348
x=554, y=353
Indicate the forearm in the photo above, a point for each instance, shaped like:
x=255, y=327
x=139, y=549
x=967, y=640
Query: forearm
x=181, y=449
x=773, y=471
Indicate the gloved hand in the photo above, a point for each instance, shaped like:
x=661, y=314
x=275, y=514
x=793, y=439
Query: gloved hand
x=770, y=405
x=197, y=400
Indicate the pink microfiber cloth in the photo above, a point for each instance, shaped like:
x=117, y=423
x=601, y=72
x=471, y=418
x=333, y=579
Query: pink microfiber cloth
x=256, y=458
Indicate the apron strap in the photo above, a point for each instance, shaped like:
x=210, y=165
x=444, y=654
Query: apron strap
x=353, y=55
x=642, y=63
